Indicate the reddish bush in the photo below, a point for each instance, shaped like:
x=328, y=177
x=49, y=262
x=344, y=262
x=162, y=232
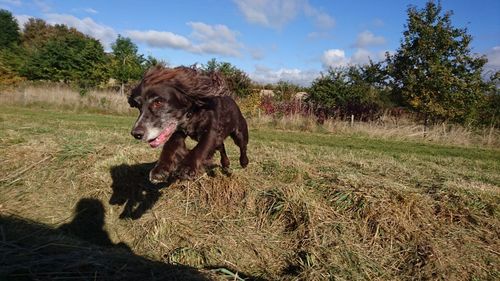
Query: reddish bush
x=267, y=105
x=285, y=108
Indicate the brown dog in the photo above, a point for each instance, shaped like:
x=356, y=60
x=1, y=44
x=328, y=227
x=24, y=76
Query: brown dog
x=178, y=102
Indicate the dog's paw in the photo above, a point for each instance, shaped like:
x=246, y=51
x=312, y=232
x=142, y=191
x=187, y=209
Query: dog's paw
x=243, y=161
x=227, y=171
x=186, y=173
x=158, y=175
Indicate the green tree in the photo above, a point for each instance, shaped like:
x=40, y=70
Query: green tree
x=326, y=90
x=238, y=81
x=11, y=54
x=11, y=61
x=434, y=71
x=151, y=61
x=37, y=32
x=347, y=91
x=211, y=66
x=376, y=77
x=9, y=30
x=489, y=109
x=127, y=64
x=70, y=57
x=286, y=91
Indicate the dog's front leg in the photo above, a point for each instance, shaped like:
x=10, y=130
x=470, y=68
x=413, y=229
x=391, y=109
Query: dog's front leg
x=174, y=150
x=198, y=155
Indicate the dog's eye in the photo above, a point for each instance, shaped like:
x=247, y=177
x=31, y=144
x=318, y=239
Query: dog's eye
x=156, y=104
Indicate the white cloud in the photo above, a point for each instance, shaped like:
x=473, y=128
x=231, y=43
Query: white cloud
x=322, y=19
x=206, y=39
x=88, y=26
x=204, y=32
x=277, y=13
x=266, y=75
x=334, y=58
x=378, y=22
x=159, y=39
x=16, y=3
x=257, y=53
x=317, y=35
x=361, y=56
x=91, y=11
x=270, y=13
x=494, y=58
x=366, y=38
x=42, y=5
x=22, y=19
x=214, y=39
x=338, y=58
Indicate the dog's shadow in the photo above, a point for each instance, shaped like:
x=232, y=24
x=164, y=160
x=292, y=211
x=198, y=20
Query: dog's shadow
x=132, y=188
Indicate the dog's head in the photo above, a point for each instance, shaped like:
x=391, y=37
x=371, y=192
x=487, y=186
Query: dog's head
x=165, y=96
x=161, y=109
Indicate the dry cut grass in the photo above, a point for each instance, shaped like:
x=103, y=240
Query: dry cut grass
x=310, y=206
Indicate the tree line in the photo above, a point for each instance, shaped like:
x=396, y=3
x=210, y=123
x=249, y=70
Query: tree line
x=59, y=53
x=433, y=73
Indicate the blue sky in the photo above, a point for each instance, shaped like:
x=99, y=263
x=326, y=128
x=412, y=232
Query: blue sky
x=269, y=39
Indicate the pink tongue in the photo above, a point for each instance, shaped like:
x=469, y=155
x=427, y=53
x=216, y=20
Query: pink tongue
x=163, y=137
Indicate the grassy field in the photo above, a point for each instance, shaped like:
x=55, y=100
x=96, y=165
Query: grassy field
x=75, y=202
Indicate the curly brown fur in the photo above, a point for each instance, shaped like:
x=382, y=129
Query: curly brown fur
x=175, y=103
x=188, y=80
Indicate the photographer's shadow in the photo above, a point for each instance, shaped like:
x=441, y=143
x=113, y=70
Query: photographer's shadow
x=88, y=224
x=78, y=250
x=132, y=188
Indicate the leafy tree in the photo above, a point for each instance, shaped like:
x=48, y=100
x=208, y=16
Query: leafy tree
x=9, y=30
x=434, y=71
x=489, y=108
x=211, y=66
x=70, y=57
x=11, y=54
x=238, y=81
x=37, y=32
x=346, y=91
x=11, y=61
x=127, y=64
x=374, y=74
x=376, y=77
x=326, y=89
x=94, y=64
x=285, y=91
x=151, y=61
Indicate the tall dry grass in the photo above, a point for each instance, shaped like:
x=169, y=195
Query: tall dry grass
x=62, y=96
x=386, y=128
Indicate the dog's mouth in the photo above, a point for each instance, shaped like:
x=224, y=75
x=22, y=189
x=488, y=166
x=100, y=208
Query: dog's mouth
x=163, y=136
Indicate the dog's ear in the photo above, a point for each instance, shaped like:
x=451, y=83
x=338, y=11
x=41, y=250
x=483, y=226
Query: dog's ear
x=187, y=96
x=131, y=98
x=183, y=100
x=190, y=101
x=199, y=101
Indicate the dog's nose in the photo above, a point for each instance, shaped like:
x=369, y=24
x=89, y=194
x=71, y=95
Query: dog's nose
x=138, y=134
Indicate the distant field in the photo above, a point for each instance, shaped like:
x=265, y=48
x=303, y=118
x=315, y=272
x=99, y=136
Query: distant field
x=311, y=206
